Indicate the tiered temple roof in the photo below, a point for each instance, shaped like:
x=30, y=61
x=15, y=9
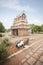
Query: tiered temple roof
x=20, y=22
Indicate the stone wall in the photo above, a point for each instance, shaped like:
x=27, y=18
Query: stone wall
x=23, y=32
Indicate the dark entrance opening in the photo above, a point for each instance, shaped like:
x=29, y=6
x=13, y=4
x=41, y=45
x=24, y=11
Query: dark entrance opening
x=15, y=32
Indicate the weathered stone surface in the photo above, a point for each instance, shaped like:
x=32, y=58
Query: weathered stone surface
x=27, y=56
x=20, y=26
x=39, y=63
x=31, y=60
x=36, y=56
x=41, y=59
x=23, y=60
x=39, y=52
x=25, y=63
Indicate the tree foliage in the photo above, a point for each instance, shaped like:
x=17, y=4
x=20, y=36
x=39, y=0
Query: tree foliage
x=2, y=28
x=36, y=28
x=42, y=28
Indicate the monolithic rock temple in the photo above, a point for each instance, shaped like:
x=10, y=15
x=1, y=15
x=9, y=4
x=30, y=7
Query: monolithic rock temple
x=20, y=26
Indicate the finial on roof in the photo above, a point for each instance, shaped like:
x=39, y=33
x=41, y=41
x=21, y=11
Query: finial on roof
x=23, y=11
x=23, y=14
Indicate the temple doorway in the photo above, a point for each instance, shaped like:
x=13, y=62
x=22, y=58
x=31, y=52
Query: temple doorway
x=15, y=32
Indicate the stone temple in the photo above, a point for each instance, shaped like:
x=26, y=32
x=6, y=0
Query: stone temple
x=20, y=26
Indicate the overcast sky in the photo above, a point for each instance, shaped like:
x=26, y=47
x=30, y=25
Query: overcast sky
x=9, y=9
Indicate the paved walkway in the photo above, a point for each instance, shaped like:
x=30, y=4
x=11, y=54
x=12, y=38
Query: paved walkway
x=30, y=56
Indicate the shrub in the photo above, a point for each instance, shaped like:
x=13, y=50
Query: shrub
x=3, y=49
x=3, y=52
x=5, y=41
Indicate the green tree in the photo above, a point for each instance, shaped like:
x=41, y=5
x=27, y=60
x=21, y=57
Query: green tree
x=35, y=28
x=2, y=28
x=39, y=29
x=42, y=28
